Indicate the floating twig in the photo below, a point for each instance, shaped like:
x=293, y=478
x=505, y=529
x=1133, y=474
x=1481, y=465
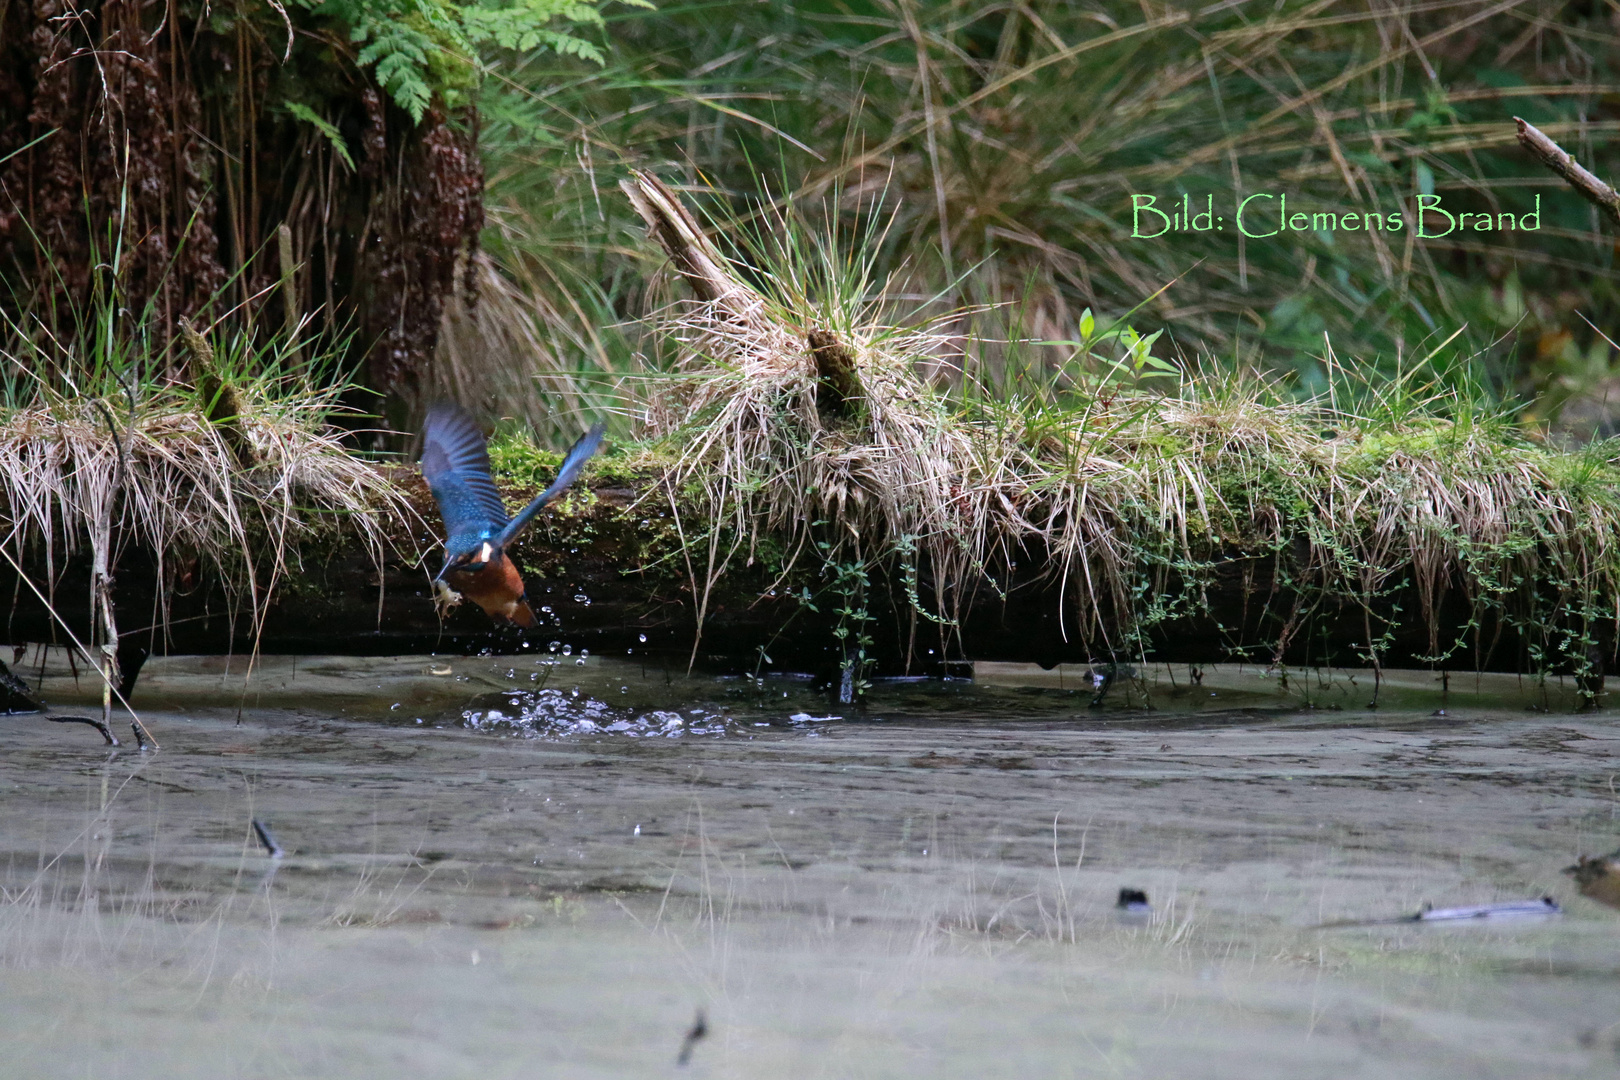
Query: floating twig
x=99, y=725
x=1473, y=913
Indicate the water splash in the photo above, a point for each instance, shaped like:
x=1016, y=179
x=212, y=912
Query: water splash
x=559, y=713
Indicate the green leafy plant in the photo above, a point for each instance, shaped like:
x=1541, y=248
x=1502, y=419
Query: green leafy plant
x=421, y=48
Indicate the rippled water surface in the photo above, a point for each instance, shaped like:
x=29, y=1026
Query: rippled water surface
x=519, y=868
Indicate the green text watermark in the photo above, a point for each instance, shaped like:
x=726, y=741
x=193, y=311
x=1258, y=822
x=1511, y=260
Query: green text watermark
x=1265, y=214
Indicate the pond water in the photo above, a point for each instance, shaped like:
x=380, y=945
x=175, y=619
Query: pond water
x=516, y=868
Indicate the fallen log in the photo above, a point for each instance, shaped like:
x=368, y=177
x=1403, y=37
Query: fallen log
x=605, y=574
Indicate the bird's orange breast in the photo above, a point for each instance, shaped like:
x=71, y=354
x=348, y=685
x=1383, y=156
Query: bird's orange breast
x=497, y=588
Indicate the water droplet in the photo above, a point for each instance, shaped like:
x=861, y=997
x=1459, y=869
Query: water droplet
x=568, y=650
x=580, y=662
x=394, y=706
x=584, y=652
x=545, y=610
x=637, y=832
x=554, y=646
x=629, y=652
x=581, y=598
x=643, y=637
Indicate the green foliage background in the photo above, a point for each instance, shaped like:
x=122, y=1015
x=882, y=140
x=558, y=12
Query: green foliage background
x=1002, y=142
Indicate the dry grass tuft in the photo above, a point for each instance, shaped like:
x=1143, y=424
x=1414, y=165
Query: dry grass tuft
x=1132, y=496
x=147, y=469
x=503, y=354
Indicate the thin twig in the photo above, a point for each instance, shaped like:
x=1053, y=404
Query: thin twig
x=1563, y=163
x=99, y=725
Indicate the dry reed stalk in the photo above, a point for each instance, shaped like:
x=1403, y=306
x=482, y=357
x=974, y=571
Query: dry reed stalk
x=1563, y=163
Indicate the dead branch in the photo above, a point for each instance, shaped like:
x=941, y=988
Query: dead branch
x=1563, y=163
x=682, y=238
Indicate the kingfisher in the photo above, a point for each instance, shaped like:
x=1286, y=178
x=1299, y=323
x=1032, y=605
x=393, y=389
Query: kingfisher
x=455, y=462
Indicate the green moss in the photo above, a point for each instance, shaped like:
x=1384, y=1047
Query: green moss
x=517, y=462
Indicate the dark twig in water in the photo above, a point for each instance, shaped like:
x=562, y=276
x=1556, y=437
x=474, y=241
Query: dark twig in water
x=1563, y=163
x=1133, y=900
x=99, y=725
x=698, y=1031
x=142, y=737
x=17, y=699
x=1133, y=908
x=271, y=848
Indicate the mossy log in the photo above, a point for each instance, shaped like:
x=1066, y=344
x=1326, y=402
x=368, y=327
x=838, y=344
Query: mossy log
x=607, y=570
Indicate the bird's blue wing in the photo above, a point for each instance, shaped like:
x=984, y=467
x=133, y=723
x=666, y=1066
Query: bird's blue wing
x=575, y=460
x=455, y=462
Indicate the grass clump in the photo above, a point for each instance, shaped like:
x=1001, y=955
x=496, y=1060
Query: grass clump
x=1136, y=488
x=225, y=476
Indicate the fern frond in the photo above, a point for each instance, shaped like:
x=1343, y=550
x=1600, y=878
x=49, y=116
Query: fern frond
x=407, y=42
x=322, y=125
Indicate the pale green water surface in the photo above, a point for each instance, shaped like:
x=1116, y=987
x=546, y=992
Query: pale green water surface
x=925, y=890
